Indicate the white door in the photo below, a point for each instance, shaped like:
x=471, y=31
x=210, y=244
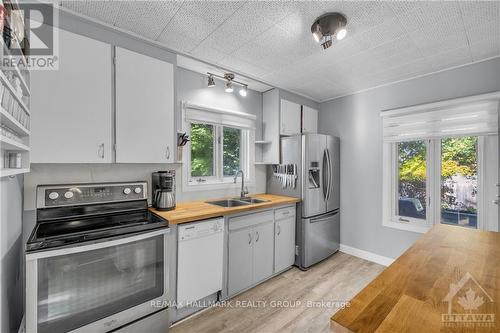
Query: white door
x=284, y=246
x=144, y=109
x=71, y=107
x=262, y=251
x=290, y=118
x=309, y=120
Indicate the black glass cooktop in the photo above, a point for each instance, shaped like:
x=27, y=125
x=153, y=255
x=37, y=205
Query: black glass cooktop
x=61, y=232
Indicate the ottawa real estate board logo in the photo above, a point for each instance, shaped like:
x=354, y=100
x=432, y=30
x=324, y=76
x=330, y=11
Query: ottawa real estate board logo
x=29, y=38
x=469, y=305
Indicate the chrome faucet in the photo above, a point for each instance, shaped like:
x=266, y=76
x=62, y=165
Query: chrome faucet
x=244, y=190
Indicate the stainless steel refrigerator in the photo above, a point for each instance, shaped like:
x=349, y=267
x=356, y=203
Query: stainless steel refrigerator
x=314, y=159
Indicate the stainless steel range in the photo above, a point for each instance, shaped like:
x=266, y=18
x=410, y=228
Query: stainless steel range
x=96, y=261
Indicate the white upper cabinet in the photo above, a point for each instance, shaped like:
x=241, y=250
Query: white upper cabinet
x=71, y=107
x=290, y=118
x=309, y=120
x=144, y=109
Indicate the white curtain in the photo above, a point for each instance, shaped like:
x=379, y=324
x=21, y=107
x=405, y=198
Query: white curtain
x=475, y=115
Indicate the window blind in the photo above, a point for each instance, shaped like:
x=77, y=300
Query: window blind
x=474, y=115
x=230, y=118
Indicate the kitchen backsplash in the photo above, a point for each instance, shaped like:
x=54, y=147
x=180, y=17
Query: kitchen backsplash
x=86, y=173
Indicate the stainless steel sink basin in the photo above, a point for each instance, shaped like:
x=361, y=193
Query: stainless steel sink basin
x=236, y=202
x=253, y=200
x=228, y=203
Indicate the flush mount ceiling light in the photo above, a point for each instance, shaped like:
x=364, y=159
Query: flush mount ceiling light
x=328, y=27
x=229, y=79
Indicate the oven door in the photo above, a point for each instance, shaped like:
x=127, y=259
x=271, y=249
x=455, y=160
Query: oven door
x=96, y=287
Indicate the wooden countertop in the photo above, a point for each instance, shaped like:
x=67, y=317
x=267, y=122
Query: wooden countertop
x=448, y=263
x=199, y=210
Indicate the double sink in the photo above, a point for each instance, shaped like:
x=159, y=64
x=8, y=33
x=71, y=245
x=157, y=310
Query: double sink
x=237, y=202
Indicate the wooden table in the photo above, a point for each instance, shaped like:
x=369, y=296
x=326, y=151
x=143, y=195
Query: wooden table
x=444, y=282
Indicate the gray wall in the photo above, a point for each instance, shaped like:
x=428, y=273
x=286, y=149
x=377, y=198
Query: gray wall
x=11, y=253
x=355, y=119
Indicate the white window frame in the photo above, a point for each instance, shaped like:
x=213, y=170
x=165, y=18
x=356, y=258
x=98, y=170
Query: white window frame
x=433, y=187
x=218, y=178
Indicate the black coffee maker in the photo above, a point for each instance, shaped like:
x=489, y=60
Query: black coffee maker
x=163, y=190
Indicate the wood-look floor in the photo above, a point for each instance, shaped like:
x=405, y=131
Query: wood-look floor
x=338, y=278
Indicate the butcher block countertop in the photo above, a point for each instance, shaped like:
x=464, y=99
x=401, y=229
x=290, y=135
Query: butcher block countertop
x=199, y=210
x=448, y=281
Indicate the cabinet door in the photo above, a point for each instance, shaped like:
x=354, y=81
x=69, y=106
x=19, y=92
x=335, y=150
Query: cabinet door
x=240, y=268
x=144, y=109
x=309, y=120
x=263, y=251
x=284, y=246
x=71, y=107
x=290, y=118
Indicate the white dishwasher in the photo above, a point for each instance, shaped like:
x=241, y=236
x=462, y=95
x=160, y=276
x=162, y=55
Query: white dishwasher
x=199, y=260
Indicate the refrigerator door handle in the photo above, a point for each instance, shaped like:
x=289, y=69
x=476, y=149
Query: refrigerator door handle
x=329, y=180
x=324, y=183
x=323, y=218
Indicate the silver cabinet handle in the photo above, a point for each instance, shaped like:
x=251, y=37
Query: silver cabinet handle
x=249, y=238
x=279, y=230
x=256, y=235
x=168, y=153
x=100, y=151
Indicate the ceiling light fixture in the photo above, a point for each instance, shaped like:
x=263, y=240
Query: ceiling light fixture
x=211, y=81
x=230, y=82
x=327, y=27
x=243, y=91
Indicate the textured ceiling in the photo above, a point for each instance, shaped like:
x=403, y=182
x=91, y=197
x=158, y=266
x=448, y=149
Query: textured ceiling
x=271, y=40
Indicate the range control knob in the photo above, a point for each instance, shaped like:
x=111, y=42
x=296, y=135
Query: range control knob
x=127, y=190
x=68, y=195
x=53, y=195
x=137, y=190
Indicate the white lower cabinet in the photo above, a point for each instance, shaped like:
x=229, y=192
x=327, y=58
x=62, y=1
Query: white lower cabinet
x=259, y=245
x=240, y=260
x=263, y=247
x=284, y=244
x=251, y=245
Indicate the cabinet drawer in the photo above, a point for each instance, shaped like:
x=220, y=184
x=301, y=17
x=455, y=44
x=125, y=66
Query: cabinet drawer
x=283, y=213
x=249, y=220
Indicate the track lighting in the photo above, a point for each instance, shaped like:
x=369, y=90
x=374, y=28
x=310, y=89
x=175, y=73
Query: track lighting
x=229, y=87
x=243, y=91
x=327, y=27
x=229, y=78
x=211, y=81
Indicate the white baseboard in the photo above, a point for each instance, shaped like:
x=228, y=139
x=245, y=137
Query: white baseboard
x=378, y=259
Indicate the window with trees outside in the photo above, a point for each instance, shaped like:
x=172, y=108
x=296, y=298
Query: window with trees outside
x=216, y=153
x=445, y=166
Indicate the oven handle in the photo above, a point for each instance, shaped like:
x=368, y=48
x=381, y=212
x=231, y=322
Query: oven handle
x=95, y=246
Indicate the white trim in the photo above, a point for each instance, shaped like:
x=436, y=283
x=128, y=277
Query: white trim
x=187, y=105
x=370, y=256
x=441, y=104
x=421, y=229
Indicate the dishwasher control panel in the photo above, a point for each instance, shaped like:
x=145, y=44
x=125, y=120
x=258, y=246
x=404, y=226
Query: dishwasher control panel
x=200, y=229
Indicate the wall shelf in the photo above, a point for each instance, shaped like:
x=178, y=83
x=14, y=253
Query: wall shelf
x=10, y=144
x=7, y=119
x=12, y=172
x=9, y=86
x=261, y=142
